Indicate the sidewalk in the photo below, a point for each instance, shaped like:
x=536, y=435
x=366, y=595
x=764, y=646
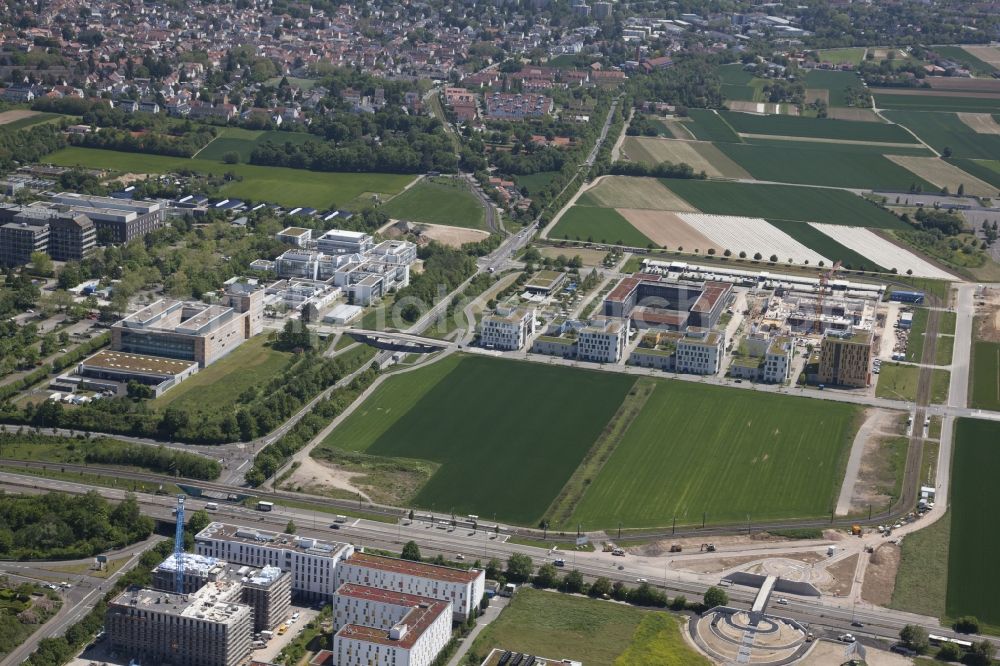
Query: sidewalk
x=497, y=604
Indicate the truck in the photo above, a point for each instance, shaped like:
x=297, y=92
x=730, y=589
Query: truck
x=856, y=530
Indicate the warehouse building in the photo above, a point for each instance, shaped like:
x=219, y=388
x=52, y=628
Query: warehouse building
x=507, y=329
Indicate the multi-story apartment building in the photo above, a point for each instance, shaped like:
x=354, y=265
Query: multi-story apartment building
x=297, y=236
x=508, y=329
x=115, y=220
x=846, y=361
x=777, y=365
x=311, y=562
x=602, y=341
x=463, y=588
x=387, y=628
x=700, y=352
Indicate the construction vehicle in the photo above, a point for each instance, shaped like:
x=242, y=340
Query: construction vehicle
x=856, y=530
x=708, y=547
x=676, y=548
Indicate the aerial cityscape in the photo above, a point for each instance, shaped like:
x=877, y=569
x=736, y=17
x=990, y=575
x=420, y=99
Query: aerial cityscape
x=499, y=333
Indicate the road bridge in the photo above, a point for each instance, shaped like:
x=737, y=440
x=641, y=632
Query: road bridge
x=397, y=341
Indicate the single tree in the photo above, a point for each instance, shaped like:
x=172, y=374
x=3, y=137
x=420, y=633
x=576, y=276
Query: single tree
x=981, y=654
x=519, y=567
x=573, y=582
x=547, y=576
x=967, y=624
x=41, y=264
x=758, y=256
x=290, y=527
x=601, y=587
x=411, y=551
x=914, y=637
x=716, y=596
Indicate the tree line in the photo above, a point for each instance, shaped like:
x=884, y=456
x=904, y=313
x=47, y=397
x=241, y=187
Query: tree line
x=23, y=146
x=152, y=143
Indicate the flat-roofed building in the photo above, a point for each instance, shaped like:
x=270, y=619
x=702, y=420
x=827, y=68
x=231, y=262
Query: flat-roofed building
x=602, y=341
x=338, y=241
x=297, y=236
x=385, y=627
x=700, y=352
x=508, y=329
x=654, y=302
x=197, y=629
x=463, y=588
x=72, y=237
x=115, y=220
x=18, y=240
x=846, y=361
x=311, y=562
x=120, y=367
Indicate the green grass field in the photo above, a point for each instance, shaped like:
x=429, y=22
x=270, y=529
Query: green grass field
x=217, y=387
x=985, y=382
x=973, y=577
x=450, y=413
x=815, y=128
x=560, y=626
x=923, y=102
x=915, y=342
x=817, y=166
x=783, y=202
x=706, y=125
x=243, y=142
x=757, y=453
x=838, y=147
x=438, y=201
x=834, y=81
x=287, y=187
x=922, y=577
x=816, y=240
x=987, y=170
x=945, y=130
x=536, y=182
x=600, y=225
x=899, y=382
x=974, y=64
x=851, y=55
x=945, y=350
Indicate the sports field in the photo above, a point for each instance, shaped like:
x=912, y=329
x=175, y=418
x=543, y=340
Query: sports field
x=242, y=142
x=287, y=187
x=816, y=128
x=591, y=631
x=985, y=393
x=851, y=55
x=528, y=444
x=700, y=155
x=946, y=130
x=816, y=240
x=597, y=225
x=706, y=125
x=783, y=202
x=216, y=388
x=438, y=201
x=888, y=98
x=818, y=166
x=761, y=454
x=973, y=577
x=633, y=192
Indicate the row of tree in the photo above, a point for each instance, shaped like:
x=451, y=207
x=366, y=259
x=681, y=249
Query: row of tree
x=23, y=146
x=152, y=143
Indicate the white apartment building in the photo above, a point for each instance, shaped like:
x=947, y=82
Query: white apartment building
x=603, y=341
x=338, y=241
x=297, y=236
x=463, y=588
x=777, y=365
x=700, y=352
x=373, y=626
x=508, y=329
x=312, y=563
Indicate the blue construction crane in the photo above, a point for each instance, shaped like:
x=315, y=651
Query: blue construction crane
x=179, y=548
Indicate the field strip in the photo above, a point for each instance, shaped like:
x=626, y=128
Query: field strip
x=667, y=229
x=563, y=506
x=881, y=251
x=632, y=192
x=924, y=92
x=980, y=123
x=15, y=115
x=988, y=54
x=808, y=139
x=751, y=235
x=943, y=174
x=700, y=155
x=677, y=128
x=852, y=113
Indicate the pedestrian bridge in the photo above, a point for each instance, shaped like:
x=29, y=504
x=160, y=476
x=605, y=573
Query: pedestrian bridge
x=398, y=341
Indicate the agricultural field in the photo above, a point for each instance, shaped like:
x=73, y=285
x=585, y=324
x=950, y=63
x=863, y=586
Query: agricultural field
x=964, y=56
x=946, y=130
x=242, y=142
x=783, y=202
x=440, y=200
x=935, y=100
x=899, y=382
x=986, y=170
x=987, y=54
x=22, y=118
x=600, y=225
x=447, y=413
x=751, y=235
x=819, y=242
x=985, y=382
x=700, y=155
x=632, y=192
x=846, y=56
x=833, y=146
x=759, y=453
x=287, y=187
x=739, y=84
x=973, y=578
x=561, y=626
x=942, y=174
x=816, y=128
x=817, y=166
x=707, y=125
x=883, y=252
x=835, y=82
x=218, y=387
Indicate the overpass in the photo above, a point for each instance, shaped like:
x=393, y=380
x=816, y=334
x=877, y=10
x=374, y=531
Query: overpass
x=397, y=341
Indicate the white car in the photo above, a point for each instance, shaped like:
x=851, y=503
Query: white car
x=642, y=580
x=782, y=602
x=847, y=638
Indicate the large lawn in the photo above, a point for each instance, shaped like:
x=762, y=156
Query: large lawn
x=724, y=452
x=507, y=435
x=899, y=382
x=973, y=577
x=599, y=225
x=815, y=128
x=287, y=187
x=782, y=202
x=217, y=387
x=985, y=375
x=598, y=633
x=946, y=130
x=242, y=142
x=438, y=201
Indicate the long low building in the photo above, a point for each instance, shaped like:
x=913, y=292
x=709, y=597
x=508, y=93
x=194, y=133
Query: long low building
x=122, y=367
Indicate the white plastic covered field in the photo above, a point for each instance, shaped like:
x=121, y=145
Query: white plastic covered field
x=751, y=235
x=882, y=252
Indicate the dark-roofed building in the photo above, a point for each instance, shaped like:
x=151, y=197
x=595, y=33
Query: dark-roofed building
x=72, y=237
x=652, y=302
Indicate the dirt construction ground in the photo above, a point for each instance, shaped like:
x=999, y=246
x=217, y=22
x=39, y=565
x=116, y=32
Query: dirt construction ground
x=880, y=576
x=828, y=653
x=667, y=229
x=312, y=474
x=17, y=114
x=453, y=236
x=630, y=192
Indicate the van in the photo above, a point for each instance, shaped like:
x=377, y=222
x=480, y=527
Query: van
x=212, y=506
x=257, y=645
x=340, y=519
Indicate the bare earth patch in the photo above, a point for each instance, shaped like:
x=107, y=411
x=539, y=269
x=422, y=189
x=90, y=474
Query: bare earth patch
x=981, y=123
x=631, y=192
x=700, y=155
x=851, y=113
x=943, y=174
x=16, y=114
x=988, y=54
x=829, y=653
x=821, y=94
x=841, y=577
x=880, y=575
x=453, y=236
x=693, y=544
x=313, y=474
x=667, y=229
